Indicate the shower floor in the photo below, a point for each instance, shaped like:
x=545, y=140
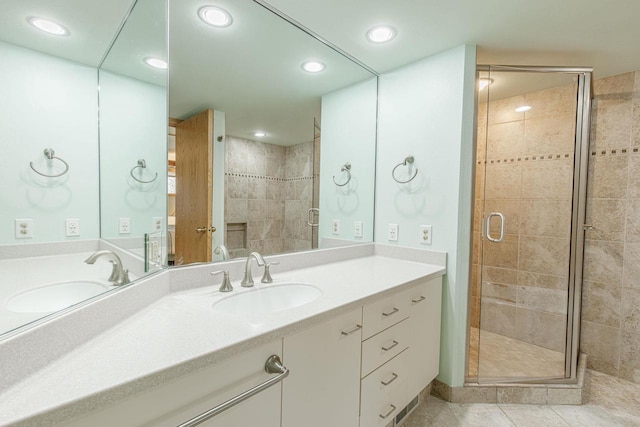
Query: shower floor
x=506, y=359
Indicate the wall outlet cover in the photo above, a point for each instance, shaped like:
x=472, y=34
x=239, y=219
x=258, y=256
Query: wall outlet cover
x=124, y=226
x=72, y=227
x=393, y=233
x=424, y=236
x=357, y=229
x=24, y=228
x=335, y=226
x=156, y=224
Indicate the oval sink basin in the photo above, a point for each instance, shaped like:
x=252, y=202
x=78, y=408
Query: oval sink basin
x=269, y=299
x=54, y=297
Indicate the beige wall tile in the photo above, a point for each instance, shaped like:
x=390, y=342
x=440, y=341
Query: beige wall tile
x=556, y=101
x=547, y=179
x=611, y=121
x=601, y=303
x=602, y=345
x=497, y=317
x=564, y=396
x=550, y=134
x=503, y=110
x=629, y=351
x=550, y=218
x=503, y=181
x=541, y=299
x=632, y=229
x=631, y=263
x=499, y=275
x=547, y=255
x=474, y=395
x=631, y=309
x=618, y=84
x=522, y=395
x=499, y=292
x=608, y=218
x=510, y=208
x=540, y=328
x=603, y=261
x=635, y=126
x=634, y=177
x=607, y=177
x=503, y=254
x=505, y=140
x=539, y=280
x=235, y=210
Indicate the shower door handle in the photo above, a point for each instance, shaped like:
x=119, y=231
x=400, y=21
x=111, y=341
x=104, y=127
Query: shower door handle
x=310, y=214
x=488, y=227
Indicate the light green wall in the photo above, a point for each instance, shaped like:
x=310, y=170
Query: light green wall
x=348, y=134
x=426, y=110
x=133, y=125
x=47, y=102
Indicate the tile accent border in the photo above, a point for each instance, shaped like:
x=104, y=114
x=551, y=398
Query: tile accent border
x=271, y=178
x=523, y=394
x=528, y=158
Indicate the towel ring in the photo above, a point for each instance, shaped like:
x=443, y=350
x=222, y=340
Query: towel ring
x=142, y=164
x=407, y=160
x=50, y=154
x=346, y=168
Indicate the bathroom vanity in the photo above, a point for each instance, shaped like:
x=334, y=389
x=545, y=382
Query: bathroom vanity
x=357, y=354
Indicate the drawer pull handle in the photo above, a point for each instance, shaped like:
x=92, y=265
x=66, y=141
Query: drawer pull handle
x=394, y=311
x=415, y=301
x=395, y=343
x=393, y=378
x=385, y=416
x=352, y=330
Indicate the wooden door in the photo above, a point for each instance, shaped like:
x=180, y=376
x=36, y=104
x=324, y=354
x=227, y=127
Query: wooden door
x=194, y=188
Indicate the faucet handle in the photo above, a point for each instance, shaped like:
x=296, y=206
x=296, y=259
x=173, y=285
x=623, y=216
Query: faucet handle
x=225, y=286
x=266, y=277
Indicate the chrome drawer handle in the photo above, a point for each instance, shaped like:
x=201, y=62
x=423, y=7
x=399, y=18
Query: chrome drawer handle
x=395, y=343
x=415, y=301
x=394, y=311
x=385, y=416
x=393, y=378
x=350, y=331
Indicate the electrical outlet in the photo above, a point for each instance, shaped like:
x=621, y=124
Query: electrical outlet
x=124, y=226
x=24, y=228
x=393, y=233
x=425, y=235
x=156, y=224
x=357, y=229
x=335, y=226
x=73, y=227
x=155, y=252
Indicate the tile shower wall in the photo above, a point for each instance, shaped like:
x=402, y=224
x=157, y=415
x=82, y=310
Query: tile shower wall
x=525, y=171
x=268, y=189
x=611, y=288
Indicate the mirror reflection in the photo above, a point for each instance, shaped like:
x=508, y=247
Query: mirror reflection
x=264, y=120
x=51, y=254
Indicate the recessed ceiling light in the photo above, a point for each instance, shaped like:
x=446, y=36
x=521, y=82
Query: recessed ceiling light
x=158, y=63
x=215, y=16
x=483, y=83
x=313, y=66
x=260, y=134
x=48, y=26
x=523, y=109
x=381, y=34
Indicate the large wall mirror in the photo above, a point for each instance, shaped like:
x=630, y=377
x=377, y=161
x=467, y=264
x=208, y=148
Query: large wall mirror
x=272, y=136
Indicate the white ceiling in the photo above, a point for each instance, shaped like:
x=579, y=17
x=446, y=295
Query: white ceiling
x=602, y=34
x=251, y=70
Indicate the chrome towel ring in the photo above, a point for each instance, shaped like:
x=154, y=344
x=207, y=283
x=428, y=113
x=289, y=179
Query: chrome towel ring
x=142, y=164
x=346, y=168
x=407, y=161
x=50, y=154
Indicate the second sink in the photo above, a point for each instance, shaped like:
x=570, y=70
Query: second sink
x=269, y=299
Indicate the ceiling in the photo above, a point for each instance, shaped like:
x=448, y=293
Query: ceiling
x=251, y=71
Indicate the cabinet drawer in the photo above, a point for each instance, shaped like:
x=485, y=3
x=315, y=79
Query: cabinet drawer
x=384, y=313
x=382, y=347
x=384, y=392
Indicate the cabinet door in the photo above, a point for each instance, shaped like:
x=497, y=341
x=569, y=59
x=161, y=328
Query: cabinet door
x=323, y=388
x=425, y=310
x=179, y=400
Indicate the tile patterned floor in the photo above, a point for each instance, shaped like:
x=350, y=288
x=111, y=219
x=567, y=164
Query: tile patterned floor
x=503, y=357
x=609, y=402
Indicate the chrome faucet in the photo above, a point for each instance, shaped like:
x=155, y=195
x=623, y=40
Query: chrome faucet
x=119, y=276
x=224, y=250
x=247, y=281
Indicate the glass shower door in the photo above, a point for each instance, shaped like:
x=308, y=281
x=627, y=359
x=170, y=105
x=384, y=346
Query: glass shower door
x=524, y=200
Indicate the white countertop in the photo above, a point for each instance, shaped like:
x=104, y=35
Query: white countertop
x=180, y=333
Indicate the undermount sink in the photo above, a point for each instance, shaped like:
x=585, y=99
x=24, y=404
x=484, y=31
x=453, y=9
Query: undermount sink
x=268, y=299
x=55, y=297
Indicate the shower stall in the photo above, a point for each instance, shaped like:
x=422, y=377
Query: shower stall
x=528, y=232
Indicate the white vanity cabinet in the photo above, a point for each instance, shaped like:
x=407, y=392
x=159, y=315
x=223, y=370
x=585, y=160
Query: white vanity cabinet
x=182, y=399
x=323, y=388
